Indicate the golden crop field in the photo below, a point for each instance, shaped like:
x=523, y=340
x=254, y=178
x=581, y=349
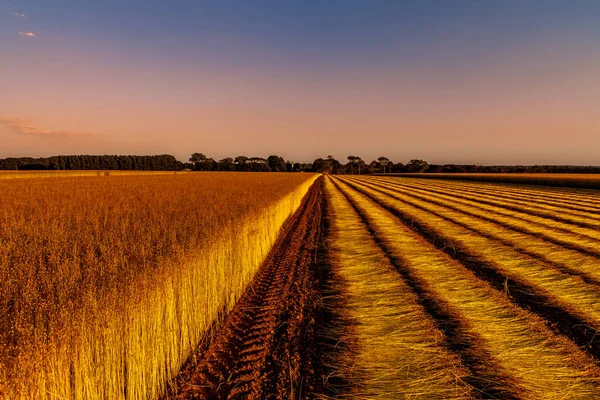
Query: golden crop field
x=295, y=286
x=108, y=283
x=499, y=286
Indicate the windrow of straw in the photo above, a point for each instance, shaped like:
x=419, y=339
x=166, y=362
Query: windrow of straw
x=589, y=181
x=565, y=291
x=109, y=283
x=528, y=360
x=554, y=211
x=555, y=220
x=398, y=351
x=568, y=260
x=561, y=233
x=575, y=195
x=573, y=199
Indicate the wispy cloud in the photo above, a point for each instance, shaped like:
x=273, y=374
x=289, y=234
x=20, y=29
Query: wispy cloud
x=19, y=15
x=19, y=126
x=28, y=34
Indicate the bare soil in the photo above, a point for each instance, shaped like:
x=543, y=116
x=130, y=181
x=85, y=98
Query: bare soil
x=267, y=346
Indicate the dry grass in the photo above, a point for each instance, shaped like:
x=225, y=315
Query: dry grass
x=590, y=181
x=109, y=283
x=584, y=200
x=532, y=224
x=399, y=353
x=552, y=210
x=529, y=360
x=565, y=291
x=471, y=218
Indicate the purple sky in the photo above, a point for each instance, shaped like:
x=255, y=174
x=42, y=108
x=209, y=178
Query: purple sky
x=511, y=82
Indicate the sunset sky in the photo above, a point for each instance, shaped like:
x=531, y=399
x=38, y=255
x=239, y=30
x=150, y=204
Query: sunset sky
x=490, y=82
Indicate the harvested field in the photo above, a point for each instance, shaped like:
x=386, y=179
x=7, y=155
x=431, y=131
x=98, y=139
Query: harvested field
x=374, y=288
x=510, y=351
x=588, y=181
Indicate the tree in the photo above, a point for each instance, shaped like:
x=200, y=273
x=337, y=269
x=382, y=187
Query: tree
x=334, y=165
x=226, y=164
x=384, y=161
x=357, y=161
x=351, y=161
x=374, y=166
x=258, y=164
x=197, y=158
x=207, y=165
x=416, y=166
x=276, y=163
x=240, y=163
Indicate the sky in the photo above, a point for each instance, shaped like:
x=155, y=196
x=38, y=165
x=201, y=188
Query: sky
x=477, y=82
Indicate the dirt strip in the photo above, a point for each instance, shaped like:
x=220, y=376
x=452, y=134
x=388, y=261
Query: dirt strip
x=266, y=347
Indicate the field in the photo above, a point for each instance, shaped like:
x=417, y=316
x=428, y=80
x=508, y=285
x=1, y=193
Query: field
x=252, y=286
x=108, y=283
x=508, y=276
x=588, y=181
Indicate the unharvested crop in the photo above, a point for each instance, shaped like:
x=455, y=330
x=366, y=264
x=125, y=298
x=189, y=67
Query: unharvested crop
x=108, y=283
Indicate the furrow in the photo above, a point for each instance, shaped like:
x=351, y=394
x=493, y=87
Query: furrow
x=297, y=330
x=246, y=359
x=541, y=364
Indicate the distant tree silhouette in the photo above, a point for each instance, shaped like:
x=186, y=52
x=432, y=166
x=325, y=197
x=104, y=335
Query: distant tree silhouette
x=384, y=161
x=356, y=161
x=351, y=161
x=226, y=164
x=240, y=163
x=276, y=163
x=416, y=166
x=202, y=163
x=163, y=162
x=197, y=157
x=258, y=164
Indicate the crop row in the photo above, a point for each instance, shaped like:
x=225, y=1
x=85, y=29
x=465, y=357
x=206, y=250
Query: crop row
x=480, y=289
x=590, y=181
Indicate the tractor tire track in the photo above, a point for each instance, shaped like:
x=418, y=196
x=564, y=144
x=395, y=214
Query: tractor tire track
x=264, y=348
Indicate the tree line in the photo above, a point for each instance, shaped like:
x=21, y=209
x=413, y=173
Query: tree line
x=163, y=162
x=274, y=163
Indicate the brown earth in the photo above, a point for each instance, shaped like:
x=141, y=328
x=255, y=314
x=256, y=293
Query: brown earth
x=267, y=347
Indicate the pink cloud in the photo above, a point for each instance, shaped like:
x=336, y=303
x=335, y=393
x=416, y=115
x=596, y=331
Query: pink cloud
x=19, y=15
x=20, y=127
x=28, y=34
